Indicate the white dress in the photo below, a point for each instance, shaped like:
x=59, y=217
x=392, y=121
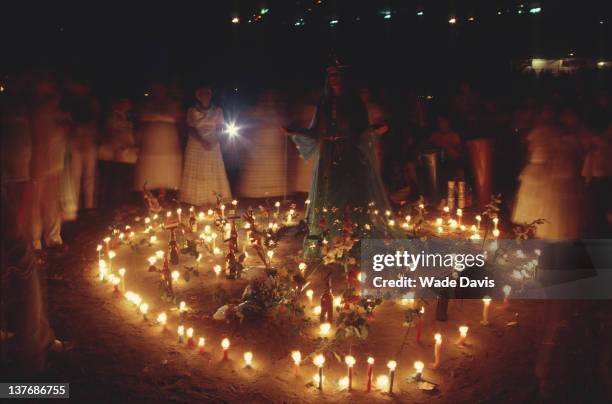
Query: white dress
x=159, y=163
x=263, y=171
x=550, y=185
x=204, y=173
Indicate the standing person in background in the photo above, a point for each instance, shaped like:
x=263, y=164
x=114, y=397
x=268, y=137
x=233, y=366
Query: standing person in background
x=377, y=117
x=117, y=154
x=204, y=173
x=83, y=142
x=49, y=126
x=160, y=160
x=449, y=141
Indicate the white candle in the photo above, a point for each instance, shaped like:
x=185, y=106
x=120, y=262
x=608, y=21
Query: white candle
x=324, y=329
x=319, y=360
x=162, y=318
x=181, y=333
x=418, y=367
x=248, y=359
x=217, y=269
x=144, y=308
x=297, y=358
x=463, y=330
x=486, y=301
x=309, y=295
x=437, y=347
x=391, y=365
x=178, y=212
x=478, y=219
x=122, y=275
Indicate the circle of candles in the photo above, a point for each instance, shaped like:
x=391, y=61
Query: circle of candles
x=324, y=328
x=297, y=358
x=318, y=361
x=201, y=342
x=350, y=362
x=486, y=301
x=144, y=308
x=181, y=333
x=162, y=318
x=370, y=372
x=225, y=344
x=437, y=347
x=463, y=330
x=248, y=358
x=382, y=382
x=418, y=366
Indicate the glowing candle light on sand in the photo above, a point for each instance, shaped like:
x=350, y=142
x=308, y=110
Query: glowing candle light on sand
x=324, y=329
x=217, y=269
x=506, y=289
x=463, y=330
x=144, y=308
x=391, y=365
x=181, y=333
x=437, y=347
x=350, y=362
x=162, y=319
x=225, y=344
x=201, y=342
x=319, y=361
x=297, y=358
x=370, y=373
x=309, y=295
x=382, y=382
x=190, y=337
x=418, y=367
x=248, y=359
x=486, y=301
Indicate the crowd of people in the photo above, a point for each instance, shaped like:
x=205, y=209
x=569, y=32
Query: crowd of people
x=65, y=151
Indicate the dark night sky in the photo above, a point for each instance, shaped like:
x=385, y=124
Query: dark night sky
x=130, y=42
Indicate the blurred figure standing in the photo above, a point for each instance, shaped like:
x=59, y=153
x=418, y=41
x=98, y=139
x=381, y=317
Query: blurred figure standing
x=49, y=126
x=377, y=117
x=160, y=160
x=85, y=112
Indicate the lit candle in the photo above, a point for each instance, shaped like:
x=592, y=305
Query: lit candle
x=270, y=255
x=486, y=301
x=370, y=372
x=175, y=276
x=418, y=366
x=162, y=318
x=153, y=239
x=319, y=360
x=210, y=212
x=302, y=267
x=350, y=362
x=115, y=281
x=309, y=295
x=201, y=342
x=495, y=233
x=317, y=310
x=181, y=333
x=382, y=382
x=144, y=308
x=324, y=329
x=182, y=307
x=419, y=329
x=297, y=358
x=99, y=250
x=214, y=237
x=122, y=275
x=439, y=222
x=463, y=330
x=107, y=241
x=102, y=270
x=459, y=215
x=178, y=212
x=437, y=347
x=507, y=289
x=190, y=337
x=111, y=255
x=217, y=269
x=391, y=365
x=248, y=358
x=478, y=219
x=225, y=344
x=277, y=205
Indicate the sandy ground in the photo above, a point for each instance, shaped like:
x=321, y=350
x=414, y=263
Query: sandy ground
x=558, y=351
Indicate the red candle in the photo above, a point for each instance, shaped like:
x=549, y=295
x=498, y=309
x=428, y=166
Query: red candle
x=201, y=345
x=225, y=344
x=190, y=337
x=370, y=371
x=350, y=361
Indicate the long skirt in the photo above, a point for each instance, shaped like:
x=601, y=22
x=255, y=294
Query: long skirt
x=204, y=175
x=160, y=161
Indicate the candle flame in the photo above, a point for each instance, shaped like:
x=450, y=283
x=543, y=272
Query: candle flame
x=225, y=343
x=318, y=360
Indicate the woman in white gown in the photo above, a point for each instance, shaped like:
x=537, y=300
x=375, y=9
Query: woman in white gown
x=550, y=184
x=204, y=174
x=160, y=160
